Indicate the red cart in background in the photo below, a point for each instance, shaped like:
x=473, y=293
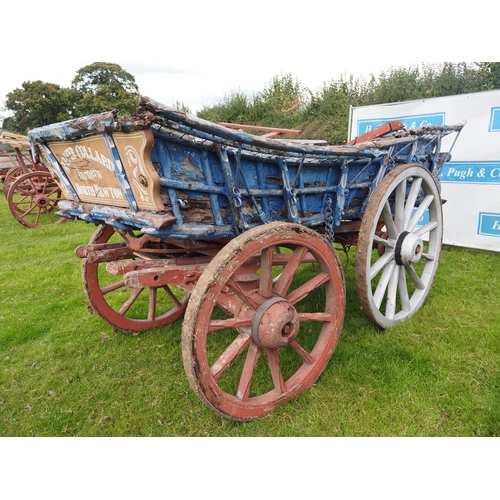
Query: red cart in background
x=30, y=191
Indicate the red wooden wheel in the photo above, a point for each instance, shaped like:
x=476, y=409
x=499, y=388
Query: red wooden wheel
x=269, y=339
x=11, y=176
x=32, y=198
x=129, y=310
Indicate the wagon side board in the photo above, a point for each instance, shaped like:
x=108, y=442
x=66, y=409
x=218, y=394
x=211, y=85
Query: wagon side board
x=111, y=170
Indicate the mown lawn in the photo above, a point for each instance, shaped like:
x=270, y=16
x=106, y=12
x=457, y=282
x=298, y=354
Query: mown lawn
x=66, y=372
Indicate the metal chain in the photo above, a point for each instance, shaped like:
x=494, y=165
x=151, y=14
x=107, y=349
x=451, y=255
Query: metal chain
x=329, y=230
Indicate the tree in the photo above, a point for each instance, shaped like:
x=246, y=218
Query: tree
x=286, y=93
x=490, y=71
x=36, y=104
x=103, y=87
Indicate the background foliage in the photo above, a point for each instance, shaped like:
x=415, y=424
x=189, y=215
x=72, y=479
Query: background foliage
x=283, y=102
x=95, y=88
x=324, y=114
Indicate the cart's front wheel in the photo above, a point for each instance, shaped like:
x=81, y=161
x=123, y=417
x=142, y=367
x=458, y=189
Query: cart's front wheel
x=250, y=341
x=129, y=310
x=393, y=284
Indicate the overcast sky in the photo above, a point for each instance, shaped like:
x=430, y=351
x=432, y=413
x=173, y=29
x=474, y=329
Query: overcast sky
x=195, y=52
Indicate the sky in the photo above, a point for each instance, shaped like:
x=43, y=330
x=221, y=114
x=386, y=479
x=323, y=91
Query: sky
x=197, y=52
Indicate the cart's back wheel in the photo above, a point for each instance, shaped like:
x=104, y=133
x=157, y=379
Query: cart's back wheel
x=393, y=284
x=268, y=340
x=129, y=310
x=33, y=197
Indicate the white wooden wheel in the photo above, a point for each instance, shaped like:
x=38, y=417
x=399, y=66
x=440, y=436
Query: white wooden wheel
x=395, y=271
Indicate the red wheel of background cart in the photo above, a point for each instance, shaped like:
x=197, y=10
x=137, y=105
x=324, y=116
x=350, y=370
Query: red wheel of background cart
x=129, y=310
x=11, y=176
x=269, y=339
x=32, y=198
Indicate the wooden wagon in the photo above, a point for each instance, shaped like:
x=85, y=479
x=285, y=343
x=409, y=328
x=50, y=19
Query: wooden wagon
x=233, y=233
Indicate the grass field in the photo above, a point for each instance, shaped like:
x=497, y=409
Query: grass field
x=65, y=372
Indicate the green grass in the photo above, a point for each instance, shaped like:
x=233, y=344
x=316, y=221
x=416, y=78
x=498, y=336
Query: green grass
x=66, y=372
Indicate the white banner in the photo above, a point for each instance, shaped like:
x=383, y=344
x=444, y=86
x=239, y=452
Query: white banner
x=471, y=180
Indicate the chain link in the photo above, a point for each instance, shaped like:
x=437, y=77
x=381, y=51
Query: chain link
x=329, y=230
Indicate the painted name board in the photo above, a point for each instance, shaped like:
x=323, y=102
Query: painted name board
x=94, y=175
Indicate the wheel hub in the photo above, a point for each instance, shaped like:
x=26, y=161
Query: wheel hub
x=275, y=323
x=42, y=200
x=409, y=248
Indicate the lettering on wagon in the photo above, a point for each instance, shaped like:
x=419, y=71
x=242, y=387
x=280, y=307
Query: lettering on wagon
x=89, y=175
x=99, y=191
x=80, y=152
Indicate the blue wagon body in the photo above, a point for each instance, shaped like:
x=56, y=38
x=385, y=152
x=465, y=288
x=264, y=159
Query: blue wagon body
x=216, y=182
x=234, y=232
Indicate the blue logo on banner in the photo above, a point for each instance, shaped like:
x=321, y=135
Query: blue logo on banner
x=479, y=172
x=410, y=121
x=424, y=219
x=494, y=120
x=489, y=224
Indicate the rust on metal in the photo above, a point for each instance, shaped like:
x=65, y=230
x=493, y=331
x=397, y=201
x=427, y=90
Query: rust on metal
x=380, y=131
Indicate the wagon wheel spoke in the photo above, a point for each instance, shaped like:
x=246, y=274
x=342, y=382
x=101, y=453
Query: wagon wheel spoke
x=112, y=287
x=424, y=205
x=296, y=322
x=399, y=208
x=382, y=241
x=285, y=280
x=383, y=283
x=426, y=229
x=153, y=292
x=172, y=296
x=11, y=176
x=274, y=365
x=126, y=306
x=389, y=222
x=394, y=281
x=305, y=289
x=130, y=310
x=403, y=292
x=415, y=277
x=412, y=198
x=266, y=276
x=239, y=344
x=228, y=323
x=392, y=290
x=302, y=352
x=245, y=383
x=247, y=297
